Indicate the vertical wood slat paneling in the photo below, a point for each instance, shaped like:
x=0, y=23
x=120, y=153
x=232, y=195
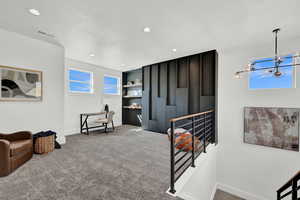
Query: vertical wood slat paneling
x=154, y=91
x=194, y=89
x=208, y=81
x=182, y=76
x=164, y=80
x=172, y=82
x=179, y=88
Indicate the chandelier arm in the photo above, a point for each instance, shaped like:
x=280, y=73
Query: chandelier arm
x=272, y=59
x=265, y=68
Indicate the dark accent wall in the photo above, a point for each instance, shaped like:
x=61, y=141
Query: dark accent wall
x=178, y=87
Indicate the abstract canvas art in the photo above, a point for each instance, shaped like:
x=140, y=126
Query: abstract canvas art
x=20, y=84
x=273, y=127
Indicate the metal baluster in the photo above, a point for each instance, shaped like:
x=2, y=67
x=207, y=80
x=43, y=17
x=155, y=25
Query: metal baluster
x=294, y=190
x=81, y=123
x=204, y=134
x=193, y=142
x=278, y=196
x=172, y=186
x=213, y=128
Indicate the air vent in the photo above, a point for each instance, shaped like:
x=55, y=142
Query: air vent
x=46, y=34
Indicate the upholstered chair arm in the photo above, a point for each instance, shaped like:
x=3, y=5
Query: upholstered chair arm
x=4, y=157
x=22, y=135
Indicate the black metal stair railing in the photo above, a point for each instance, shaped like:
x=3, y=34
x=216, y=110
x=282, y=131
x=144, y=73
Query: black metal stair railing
x=196, y=133
x=290, y=188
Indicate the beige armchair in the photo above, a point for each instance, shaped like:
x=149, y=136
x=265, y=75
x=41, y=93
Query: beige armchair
x=107, y=120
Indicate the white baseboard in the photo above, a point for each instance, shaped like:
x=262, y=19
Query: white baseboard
x=187, y=197
x=238, y=192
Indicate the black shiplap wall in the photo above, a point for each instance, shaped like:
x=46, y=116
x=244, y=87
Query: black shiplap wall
x=177, y=87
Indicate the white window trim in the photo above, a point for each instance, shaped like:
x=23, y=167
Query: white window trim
x=118, y=86
x=91, y=81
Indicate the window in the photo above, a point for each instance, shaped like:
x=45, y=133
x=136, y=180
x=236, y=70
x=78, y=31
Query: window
x=265, y=79
x=80, y=81
x=111, y=85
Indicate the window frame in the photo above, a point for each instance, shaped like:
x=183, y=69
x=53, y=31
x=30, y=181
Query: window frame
x=91, y=81
x=118, y=84
x=294, y=72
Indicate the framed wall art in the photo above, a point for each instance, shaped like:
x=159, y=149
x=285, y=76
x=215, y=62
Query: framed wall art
x=273, y=127
x=19, y=84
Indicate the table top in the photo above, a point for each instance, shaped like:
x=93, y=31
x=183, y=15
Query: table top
x=91, y=114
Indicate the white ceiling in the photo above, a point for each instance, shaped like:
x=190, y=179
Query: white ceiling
x=113, y=29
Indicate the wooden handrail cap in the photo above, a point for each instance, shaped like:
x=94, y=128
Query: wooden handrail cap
x=189, y=116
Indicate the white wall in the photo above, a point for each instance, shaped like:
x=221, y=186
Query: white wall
x=255, y=172
x=199, y=183
x=23, y=52
x=75, y=104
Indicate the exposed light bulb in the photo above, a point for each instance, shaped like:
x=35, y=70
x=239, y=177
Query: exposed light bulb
x=249, y=67
x=277, y=73
x=238, y=75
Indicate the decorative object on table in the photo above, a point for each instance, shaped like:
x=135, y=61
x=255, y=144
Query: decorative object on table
x=15, y=150
x=277, y=63
x=273, y=127
x=20, y=84
x=184, y=141
x=106, y=108
x=45, y=142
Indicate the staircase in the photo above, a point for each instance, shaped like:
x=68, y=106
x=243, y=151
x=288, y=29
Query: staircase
x=290, y=188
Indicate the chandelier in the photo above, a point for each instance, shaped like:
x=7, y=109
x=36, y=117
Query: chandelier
x=264, y=64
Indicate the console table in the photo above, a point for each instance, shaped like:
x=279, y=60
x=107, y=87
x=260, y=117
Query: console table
x=84, y=122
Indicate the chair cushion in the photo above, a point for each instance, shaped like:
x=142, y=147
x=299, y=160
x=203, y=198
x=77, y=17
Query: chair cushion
x=20, y=146
x=101, y=120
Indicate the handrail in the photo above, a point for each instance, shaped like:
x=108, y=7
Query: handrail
x=293, y=182
x=190, y=116
x=183, y=149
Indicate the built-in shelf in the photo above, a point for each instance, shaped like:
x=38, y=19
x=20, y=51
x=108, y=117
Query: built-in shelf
x=131, y=86
x=132, y=96
x=132, y=108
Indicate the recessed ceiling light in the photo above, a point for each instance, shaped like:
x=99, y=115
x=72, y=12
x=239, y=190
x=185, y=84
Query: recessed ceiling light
x=174, y=50
x=92, y=55
x=34, y=12
x=147, y=30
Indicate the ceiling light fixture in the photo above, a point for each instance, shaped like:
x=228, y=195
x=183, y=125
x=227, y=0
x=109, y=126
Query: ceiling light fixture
x=264, y=64
x=147, y=30
x=34, y=12
x=92, y=55
x=174, y=50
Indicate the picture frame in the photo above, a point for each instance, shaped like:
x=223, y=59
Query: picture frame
x=20, y=84
x=275, y=127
